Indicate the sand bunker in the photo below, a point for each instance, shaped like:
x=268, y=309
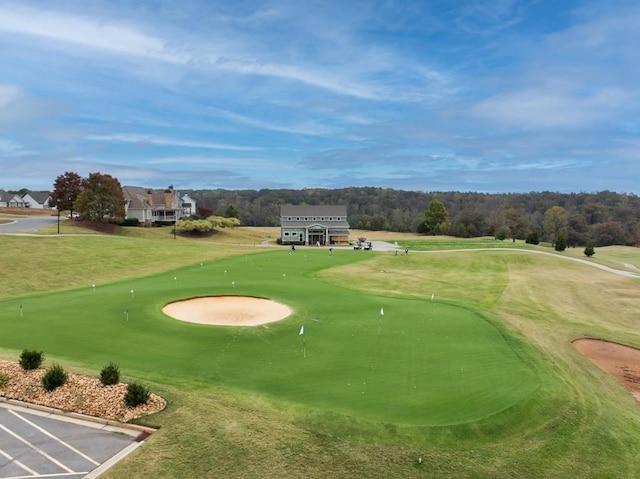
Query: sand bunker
x=227, y=310
x=622, y=362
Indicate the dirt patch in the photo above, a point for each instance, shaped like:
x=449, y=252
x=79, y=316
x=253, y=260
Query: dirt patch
x=227, y=310
x=27, y=212
x=622, y=362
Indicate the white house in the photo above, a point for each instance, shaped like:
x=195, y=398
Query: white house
x=188, y=205
x=37, y=199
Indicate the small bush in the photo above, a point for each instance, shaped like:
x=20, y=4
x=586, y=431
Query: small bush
x=31, y=359
x=130, y=222
x=136, y=394
x=54, y=377
x=589, y=251
x=110, y=374
x=533, y=238
x=3, y=379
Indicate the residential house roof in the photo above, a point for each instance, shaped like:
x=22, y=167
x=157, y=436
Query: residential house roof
x=309, y=215
x=41, y=197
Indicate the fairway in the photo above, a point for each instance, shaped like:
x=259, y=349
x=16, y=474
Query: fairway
x=421, y=362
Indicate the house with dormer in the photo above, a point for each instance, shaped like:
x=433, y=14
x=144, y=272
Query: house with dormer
x=150, y=206
x=314, y=224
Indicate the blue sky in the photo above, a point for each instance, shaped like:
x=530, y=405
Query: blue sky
x=426, y=95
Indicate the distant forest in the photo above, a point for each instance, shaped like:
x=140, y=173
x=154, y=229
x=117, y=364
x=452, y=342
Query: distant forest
x=603, y=218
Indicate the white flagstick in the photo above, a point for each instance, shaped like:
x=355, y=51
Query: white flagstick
x=132, y=293
x=304, y=342
x=433, y=296
x=126, y=314
x=380, y=323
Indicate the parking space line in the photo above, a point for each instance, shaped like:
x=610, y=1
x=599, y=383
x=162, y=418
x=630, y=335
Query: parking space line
x=38, y=450
x=18, y=463
x=47, y=433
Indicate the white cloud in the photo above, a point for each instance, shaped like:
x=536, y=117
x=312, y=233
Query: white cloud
x=549, y=107
x=9, y=148
x=83, y=31
x=161, y=141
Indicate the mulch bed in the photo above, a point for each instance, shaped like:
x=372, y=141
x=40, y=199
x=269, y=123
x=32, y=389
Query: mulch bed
x=80, y=394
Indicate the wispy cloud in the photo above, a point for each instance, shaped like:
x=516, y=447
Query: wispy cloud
x=162, y=141
x=82, y=31
x=474, y=94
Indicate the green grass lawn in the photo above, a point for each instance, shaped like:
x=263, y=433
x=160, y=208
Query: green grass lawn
x=422, y=362
x=482, y=382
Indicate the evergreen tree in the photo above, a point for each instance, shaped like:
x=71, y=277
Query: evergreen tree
x=437, y=218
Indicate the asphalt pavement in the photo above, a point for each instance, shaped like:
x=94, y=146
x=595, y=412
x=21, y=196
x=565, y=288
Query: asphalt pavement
x=40, y=442
x=25, y=224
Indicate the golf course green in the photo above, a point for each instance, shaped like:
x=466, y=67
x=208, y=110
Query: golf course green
x=411, y=361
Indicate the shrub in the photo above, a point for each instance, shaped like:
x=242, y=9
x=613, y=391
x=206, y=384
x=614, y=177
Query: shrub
x=110, y=374
x=54, y=377
x=31, y=359
x=561, y=243
x=533, y=238
x=3, y=379
x=136, y=394
x=589, y=251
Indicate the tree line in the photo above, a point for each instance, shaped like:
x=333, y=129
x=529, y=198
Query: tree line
x=602, y=218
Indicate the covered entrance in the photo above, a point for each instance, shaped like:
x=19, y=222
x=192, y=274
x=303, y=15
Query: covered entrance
x=317, y=234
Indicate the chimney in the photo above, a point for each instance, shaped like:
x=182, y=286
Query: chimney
x=168, y=197
x=150, y=197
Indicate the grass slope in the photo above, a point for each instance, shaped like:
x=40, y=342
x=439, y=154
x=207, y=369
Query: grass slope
x=577, y=423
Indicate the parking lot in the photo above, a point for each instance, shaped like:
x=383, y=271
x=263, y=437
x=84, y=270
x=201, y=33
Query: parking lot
x=37, y=443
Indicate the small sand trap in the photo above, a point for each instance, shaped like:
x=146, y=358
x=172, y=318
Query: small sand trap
x=227, y=310
x=622, y=362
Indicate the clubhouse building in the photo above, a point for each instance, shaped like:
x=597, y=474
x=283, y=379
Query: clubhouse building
x=314, y=224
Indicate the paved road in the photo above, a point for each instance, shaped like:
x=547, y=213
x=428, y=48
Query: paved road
x=38, y=444
x=27, y=223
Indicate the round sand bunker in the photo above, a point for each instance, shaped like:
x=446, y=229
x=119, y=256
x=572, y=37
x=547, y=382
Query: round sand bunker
x=227, y=310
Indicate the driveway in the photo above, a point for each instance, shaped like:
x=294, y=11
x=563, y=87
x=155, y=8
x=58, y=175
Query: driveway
x=36, y=443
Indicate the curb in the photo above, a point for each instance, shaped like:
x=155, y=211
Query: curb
x=77, y=417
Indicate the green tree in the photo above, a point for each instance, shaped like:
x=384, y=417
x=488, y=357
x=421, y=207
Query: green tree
x=232, y=212
x=436, y=218
x=516, y=223
x=502, y=233
x=101, y=199
x=561, y=243
x=555, y=223
x=66, y=190
x=469, y=224
x=589, y=251
x=609, y=233
x=533, y=237
x=577, y=230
